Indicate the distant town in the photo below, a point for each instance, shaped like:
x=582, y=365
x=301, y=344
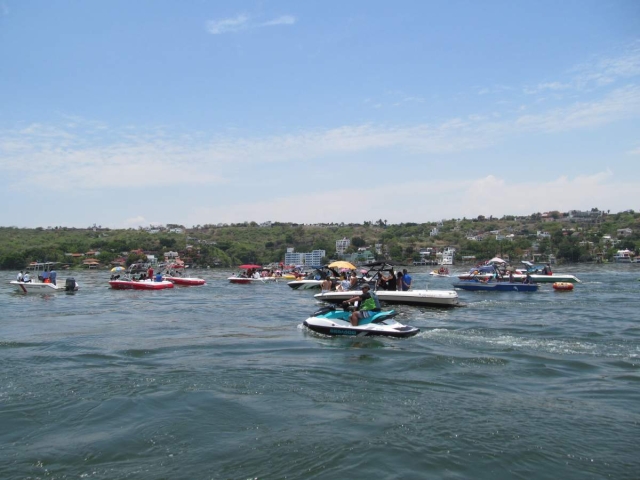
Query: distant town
x=574, y=236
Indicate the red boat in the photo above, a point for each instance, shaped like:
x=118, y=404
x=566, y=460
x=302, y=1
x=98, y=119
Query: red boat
x=185, y=281
x=126, y=284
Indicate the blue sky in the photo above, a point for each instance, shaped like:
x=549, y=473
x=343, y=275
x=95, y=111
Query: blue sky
x=128, y=113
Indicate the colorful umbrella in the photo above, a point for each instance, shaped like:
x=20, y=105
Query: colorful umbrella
x=248, y=266
x=118, y=269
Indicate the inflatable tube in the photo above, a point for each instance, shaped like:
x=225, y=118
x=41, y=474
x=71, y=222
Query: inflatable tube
x=566, y=286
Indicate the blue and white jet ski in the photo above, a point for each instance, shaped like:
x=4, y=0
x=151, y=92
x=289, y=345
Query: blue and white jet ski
x=330, y=321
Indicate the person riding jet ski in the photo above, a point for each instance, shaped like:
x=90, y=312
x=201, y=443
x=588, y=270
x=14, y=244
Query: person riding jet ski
x=368, y=305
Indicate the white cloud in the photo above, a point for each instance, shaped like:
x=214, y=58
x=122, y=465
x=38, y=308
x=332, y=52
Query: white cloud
x=98, y=158
x=635, y=151
x=599, y=72
x=243, y=22
x=619, y=104
x=455, y=199
x=283, y=20
x=227, y=25
x=554, y=86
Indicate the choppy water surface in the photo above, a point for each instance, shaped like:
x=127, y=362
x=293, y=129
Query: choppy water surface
x=222, y=381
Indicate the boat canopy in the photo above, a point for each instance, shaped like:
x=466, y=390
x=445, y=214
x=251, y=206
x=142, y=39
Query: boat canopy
x=497, y=260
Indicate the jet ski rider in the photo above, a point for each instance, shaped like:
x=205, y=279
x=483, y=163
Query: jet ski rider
x=368, y=306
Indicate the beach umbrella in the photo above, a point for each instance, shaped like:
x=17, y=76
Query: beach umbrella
x=248, y=266
x=342, y=264
x=118, y=269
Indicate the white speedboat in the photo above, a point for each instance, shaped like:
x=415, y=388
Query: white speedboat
x=43, y=279
x=623, y=256
x=428, y=298
x=330, y=321
x=313, y=279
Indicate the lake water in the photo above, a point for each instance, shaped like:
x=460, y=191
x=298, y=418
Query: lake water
x=222, y=381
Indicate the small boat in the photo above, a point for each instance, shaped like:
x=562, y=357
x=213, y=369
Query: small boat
x=43, y=279
x=537, y=274
x=563, y=286
x=623, y=256
x=250, y=275
x=313, y=279
x=184, y=281
x=174, y=275
x=128, y=283
x=429, y=298
x=440, y=272
x=330, y=321
x=492, y=286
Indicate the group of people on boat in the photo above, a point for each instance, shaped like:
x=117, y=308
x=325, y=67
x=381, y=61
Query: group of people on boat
x=393, y=281
x=400, y=281
x=43, y=277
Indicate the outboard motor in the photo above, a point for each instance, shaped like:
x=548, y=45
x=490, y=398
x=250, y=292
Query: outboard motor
x=70, y=284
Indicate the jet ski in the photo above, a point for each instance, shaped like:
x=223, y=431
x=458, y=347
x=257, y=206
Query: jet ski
x=330, y=321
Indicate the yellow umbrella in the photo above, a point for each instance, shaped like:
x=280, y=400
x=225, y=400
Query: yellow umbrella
x=342, y=264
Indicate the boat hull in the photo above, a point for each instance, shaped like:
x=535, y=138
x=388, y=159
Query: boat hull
x=185, y=281
x=246, y=280
x=305, y=284
x=476, y=286
x=140, y=285
x=536, y=278
x=40, y=287
x=430, y=298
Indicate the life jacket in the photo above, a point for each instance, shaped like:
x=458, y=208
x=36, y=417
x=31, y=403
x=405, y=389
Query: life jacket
x=371, y=303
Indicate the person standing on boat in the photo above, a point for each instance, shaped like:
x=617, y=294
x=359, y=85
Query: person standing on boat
x=391, y=281
x=353, y=280
x=150, y=273
x=406, y=280
x=368, y=305
x=326, y=285
x=20, y=277
x=26, y=278
x=400, y=281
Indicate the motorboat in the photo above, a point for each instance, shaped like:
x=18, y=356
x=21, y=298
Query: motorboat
x=537, y=274
x=623, y=256
x=185, y=281
x=314, y=279
x=43, y=279
x=476, y=285
x=174, y=275
x=331, y=321
x=429, y=298
x=127, y=283
x=440, y=272
x=251, y=274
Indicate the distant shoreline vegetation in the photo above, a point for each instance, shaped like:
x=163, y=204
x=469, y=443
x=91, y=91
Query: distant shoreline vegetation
x=575, y=236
